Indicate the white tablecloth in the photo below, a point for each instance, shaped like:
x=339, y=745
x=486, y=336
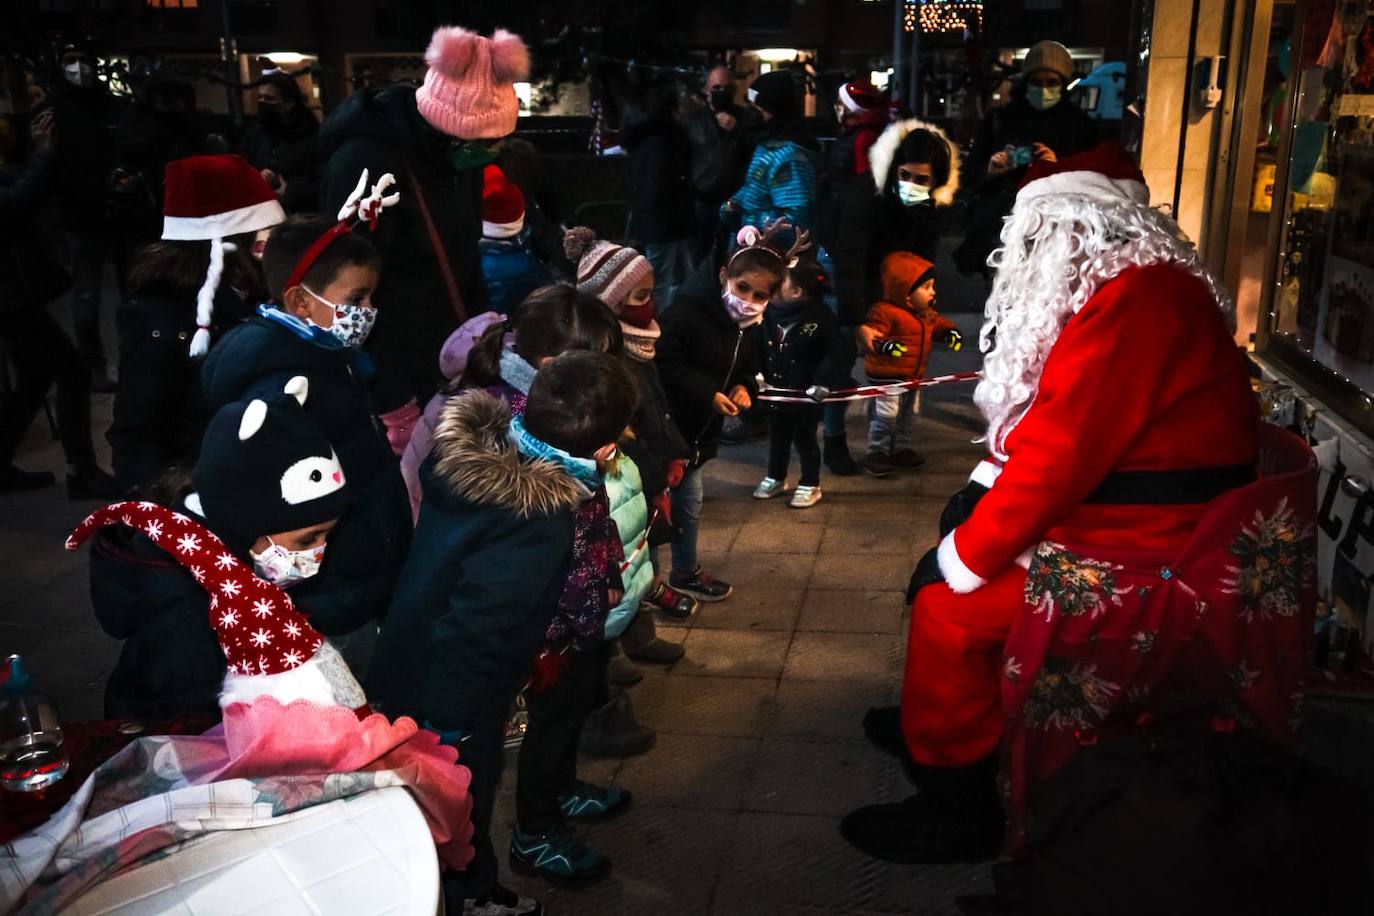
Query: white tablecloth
x=363, y=856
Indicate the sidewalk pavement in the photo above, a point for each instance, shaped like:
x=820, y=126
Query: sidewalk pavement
x=760, y=749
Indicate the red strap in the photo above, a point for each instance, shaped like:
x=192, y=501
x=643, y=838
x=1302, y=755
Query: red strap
x=455, y=297
x=312, y=254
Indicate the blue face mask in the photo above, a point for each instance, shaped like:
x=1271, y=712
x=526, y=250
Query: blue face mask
x=1043, y=97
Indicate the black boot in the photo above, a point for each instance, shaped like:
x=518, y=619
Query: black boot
x=90, y=482
x=613, y=731
x=955, y=817
x=836, y=455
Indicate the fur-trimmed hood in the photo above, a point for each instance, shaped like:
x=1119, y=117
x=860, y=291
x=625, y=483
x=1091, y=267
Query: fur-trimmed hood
x=884, y=150
x=475, y=458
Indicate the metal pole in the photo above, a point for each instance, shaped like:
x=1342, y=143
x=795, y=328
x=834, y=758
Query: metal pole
x=895, y=81
x=229, y=57
x=913, y=94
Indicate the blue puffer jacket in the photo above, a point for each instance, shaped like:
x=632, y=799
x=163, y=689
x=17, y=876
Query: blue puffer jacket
x=630, y=512
x=512, y=270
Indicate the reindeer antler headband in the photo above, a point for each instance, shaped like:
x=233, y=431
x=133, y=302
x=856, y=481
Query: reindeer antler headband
x=750, y=238
x=356, y=209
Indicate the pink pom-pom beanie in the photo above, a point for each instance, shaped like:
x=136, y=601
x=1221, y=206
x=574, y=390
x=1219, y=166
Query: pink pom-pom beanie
x=469, y=90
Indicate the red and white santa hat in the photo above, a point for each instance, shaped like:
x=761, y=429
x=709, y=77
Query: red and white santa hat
x=209, y=198
x=860, y=95
x=503, y=205
x=1105, y=173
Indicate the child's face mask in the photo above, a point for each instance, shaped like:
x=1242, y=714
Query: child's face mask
x=352, y=323
x=910, y=193
x=283, y=567
x=746, y=312
x=641, y=315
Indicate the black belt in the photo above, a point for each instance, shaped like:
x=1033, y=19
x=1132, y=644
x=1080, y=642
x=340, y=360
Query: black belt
x=1180, y=487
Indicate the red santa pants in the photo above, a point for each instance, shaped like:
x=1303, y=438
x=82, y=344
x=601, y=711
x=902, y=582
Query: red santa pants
x=951, y=689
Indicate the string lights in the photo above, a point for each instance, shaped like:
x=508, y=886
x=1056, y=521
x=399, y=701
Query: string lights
x=943, y=16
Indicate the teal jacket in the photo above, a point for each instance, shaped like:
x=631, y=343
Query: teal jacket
x=630, y=512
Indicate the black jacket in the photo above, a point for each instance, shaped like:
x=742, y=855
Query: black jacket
x=482, y=583
x=719, y=157
x=160, y=414
x=87, y=120
x=805, y=349
x=382, y=131
x=702, y=352
x=368, y=546
x=292, y=151
x=171, y=663
x=1063, y=128
x=657, y=440
x=30, y=277
x=660, y=180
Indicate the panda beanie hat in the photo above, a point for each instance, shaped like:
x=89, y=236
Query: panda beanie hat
x=469, y=89
x=265, y=466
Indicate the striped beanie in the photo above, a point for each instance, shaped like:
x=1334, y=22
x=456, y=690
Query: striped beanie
x=606, y=270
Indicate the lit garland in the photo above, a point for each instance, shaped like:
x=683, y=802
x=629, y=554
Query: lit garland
x=942, y=16
x=909, y=15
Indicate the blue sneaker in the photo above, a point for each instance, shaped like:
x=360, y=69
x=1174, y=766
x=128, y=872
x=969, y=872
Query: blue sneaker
x=558, y=857
x=593, y=803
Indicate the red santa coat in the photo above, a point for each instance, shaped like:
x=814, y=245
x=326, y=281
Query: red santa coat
x=1145, y=377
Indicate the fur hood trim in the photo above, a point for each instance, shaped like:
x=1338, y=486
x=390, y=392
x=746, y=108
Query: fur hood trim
x=475, y=457
x=884, y=150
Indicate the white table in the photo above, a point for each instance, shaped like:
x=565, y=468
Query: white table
x=363, y=856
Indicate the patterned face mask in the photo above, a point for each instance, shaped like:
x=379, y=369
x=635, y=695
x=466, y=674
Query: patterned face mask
x=284, y=568
x=352, y=323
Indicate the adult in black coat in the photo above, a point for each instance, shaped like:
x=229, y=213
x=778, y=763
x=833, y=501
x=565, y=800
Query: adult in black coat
x=159, y=412
x=1040, y=121
x=722, y=136
x=283, y=145
x=661, y=216
x=382, y=131
x=37, y=348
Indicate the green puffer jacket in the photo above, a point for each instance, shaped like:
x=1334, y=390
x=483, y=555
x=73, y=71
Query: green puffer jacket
x=630, y=512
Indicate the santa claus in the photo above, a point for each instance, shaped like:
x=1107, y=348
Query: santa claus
x=1118, y=408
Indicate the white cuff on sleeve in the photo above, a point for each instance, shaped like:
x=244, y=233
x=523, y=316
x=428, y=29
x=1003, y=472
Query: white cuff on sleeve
x=985, y=473
x=958, y=576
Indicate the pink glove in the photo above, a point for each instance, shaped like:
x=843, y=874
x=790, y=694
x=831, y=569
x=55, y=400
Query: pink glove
x=399, y=423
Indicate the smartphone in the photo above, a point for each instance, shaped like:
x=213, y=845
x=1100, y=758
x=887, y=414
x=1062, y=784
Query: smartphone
x=1019, y=156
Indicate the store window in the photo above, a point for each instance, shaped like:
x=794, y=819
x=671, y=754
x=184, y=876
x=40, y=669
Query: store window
x=1321, y=314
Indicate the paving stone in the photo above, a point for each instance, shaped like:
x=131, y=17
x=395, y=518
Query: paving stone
x=843, y=657
x=753, y=608
x=823, y=777
x=711, y=706
x=733, y=653
x=664, y=857
x=76, y=657
x=691, y=772
x=820, y=709
x=850, y=611
x=877, y=537
x=774, y=570
x=779, y=534
x=860, y=570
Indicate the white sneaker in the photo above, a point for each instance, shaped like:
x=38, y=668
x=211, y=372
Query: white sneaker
x=769, y=487
x=804, y=497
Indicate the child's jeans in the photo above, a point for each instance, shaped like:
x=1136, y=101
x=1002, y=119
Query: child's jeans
x=547, y=767
x=687, y=516
x=789, y=425
x=891, y=420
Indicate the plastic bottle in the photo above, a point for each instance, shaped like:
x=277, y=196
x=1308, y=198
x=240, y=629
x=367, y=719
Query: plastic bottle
x=31, y=753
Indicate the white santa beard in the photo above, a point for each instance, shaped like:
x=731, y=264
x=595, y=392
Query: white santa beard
x=1057, y=251
x=324, y=680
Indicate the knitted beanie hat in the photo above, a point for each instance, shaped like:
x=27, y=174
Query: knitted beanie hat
x=209, y=198
x=608, y=271
x=1048, y=55
x=777, y=93
x=270, y=647
x=469, y=90
x=503, y=205
x=265, y=467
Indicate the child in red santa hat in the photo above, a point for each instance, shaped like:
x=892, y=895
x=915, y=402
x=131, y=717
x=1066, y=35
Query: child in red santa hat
x=510, y=264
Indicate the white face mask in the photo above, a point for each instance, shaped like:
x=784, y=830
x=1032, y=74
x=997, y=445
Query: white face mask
x=352, y=323
x=1042, y=97
x=910, y=193
x=284, y=568
x=746, y=312
x=78, y=74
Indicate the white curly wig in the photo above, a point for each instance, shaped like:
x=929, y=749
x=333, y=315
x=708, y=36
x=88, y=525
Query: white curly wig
x=1057, y=251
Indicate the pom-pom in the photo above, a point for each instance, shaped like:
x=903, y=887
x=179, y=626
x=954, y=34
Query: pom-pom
x=747, y=236
x=452, y=49
x=510, y=59
x=577, y=241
